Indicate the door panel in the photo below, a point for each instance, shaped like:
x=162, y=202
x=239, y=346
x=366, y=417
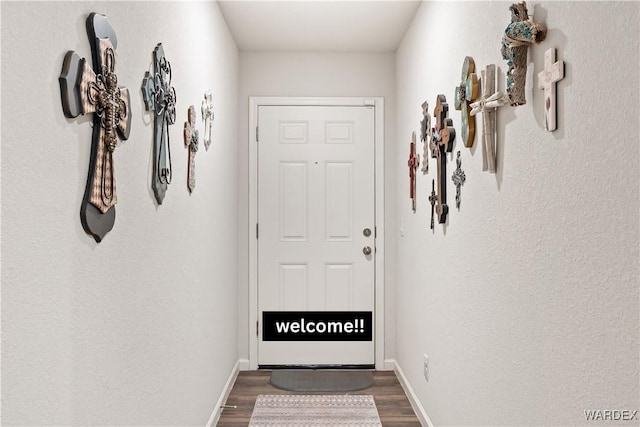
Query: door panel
x=315, y=196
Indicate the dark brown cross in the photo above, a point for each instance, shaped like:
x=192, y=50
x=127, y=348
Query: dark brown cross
x=414, y=161
x=441, y=143
x=85, y=90
x=432, y=199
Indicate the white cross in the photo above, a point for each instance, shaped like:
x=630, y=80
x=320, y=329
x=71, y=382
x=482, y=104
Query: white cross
x=553, y=72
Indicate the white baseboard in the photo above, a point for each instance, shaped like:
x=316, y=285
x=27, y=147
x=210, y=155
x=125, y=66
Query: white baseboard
x=243, y=364
x=217, y=410
x=389, y=364
x=411, y=395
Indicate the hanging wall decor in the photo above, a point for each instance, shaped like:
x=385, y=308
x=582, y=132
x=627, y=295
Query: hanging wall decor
x=425, y=136
x=465, y=94
x=160, y=98
x=518, y=35
x=413, y=163
x=488, y=103
x=553, y=72
x=432, y=200
x=207, y=118
x=86, y=90
x=442, y=143
x=458, y=178
x=191, y=142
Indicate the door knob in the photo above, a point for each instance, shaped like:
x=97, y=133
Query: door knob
x=366, y=250
x=366, y=232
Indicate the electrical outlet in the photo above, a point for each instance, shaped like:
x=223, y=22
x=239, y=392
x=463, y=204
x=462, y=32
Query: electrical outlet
x=426, y=367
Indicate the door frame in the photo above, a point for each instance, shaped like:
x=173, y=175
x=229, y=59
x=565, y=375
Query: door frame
x=378, y=104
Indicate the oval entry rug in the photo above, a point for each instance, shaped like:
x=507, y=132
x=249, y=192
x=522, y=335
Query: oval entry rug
x=316, y=410
x=321, y=380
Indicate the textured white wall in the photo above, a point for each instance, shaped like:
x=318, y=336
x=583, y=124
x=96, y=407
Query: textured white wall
x=139, y=329
x=527, y=301
x=313, y=74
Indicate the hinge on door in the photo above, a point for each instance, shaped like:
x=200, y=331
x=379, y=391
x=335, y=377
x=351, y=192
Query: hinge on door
x=257, y=138
x=256, y=230
x=256, y=328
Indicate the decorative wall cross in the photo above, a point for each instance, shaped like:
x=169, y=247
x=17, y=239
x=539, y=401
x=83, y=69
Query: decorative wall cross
x=207, y=118
x=425, y=136
x=160, y=98
x=465, y=94
x=518, y=35
x=458, y=178
x=553, y=72
x=85, y=90
x=432, y=200
x=413, y=163
x=441, y=143
x=191, y=142
x=487, y=105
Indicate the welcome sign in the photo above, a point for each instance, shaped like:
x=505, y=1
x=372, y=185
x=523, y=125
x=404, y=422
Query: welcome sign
x=317, y=326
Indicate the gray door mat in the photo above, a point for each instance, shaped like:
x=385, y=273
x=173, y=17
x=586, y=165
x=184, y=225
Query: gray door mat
x=321, y=381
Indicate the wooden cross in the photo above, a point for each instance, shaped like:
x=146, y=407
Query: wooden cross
x=160, y=97
x=441, y=143
x=487, y=105
x=86, y=90
x=432, y=200
x=413, y=163
x=425, y=136
x=458, y=178
x=207, y=118
x=465, y=94
x=191, y=142
x=553, y=72
x=518, y=35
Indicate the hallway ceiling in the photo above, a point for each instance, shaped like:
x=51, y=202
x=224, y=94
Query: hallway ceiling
x=318, y=26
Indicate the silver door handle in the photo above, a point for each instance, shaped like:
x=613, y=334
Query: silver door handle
x=366, y=250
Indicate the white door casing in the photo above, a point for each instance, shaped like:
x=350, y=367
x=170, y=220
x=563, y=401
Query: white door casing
x=309, y=253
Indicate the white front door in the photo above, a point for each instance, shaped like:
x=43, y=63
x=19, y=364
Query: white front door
x=316, y=221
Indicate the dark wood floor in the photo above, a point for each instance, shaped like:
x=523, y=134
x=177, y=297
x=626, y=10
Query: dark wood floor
x=393, y=406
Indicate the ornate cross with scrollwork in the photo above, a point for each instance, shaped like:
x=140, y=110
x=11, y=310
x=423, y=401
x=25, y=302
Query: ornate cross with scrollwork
x=191, y=142
x=458, y=178
x=207, y=118
x=425, y=136
x=86, y=90
x=160, y=97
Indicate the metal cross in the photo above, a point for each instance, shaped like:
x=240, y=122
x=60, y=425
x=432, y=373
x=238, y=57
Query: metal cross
x=465, y=94
x=414, y=161
x=425, y=136
x=458, y=178
x=86, y=90
x=207, y=118
x=160, y=97
x=432, y=200
x=553, y=72
x=191, y=142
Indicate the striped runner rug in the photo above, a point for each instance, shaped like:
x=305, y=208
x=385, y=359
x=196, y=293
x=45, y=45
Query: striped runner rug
x=318, y=410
